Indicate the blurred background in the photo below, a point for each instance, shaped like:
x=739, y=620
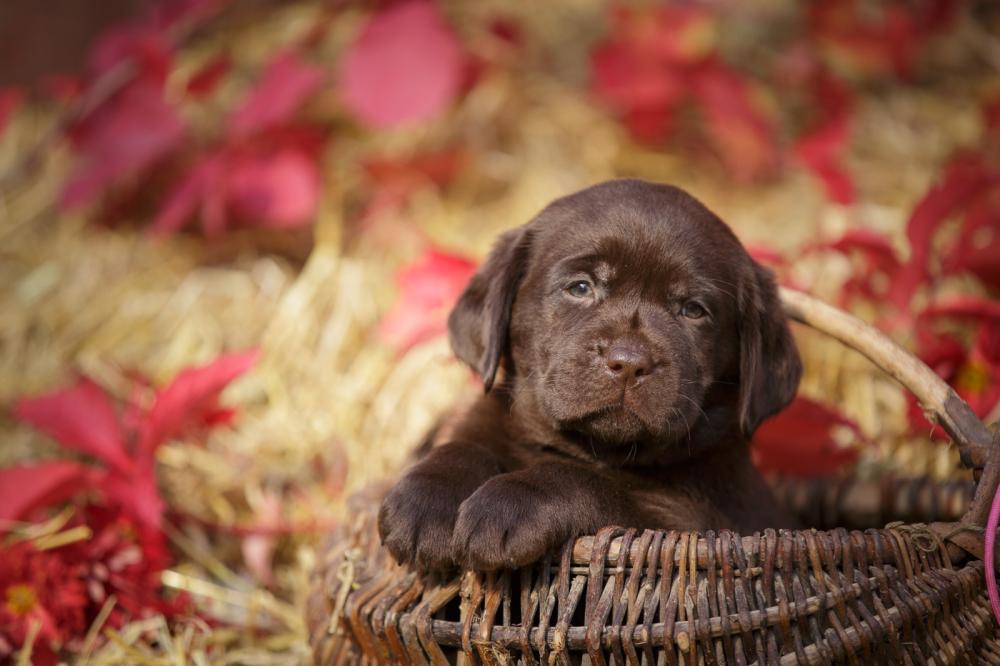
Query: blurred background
x=230, y=233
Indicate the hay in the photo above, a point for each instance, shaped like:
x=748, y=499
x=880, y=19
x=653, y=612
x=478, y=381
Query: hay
x=327, y=393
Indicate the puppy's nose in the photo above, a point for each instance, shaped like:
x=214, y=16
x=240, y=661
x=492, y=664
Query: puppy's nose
x=628, y=361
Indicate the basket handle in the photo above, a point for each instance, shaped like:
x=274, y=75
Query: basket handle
x=937, y=398
x=974, y=440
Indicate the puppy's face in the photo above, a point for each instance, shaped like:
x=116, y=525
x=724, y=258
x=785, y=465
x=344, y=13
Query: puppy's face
x=629, y=318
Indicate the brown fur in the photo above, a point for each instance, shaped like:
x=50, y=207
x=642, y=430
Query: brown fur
x=630, y=400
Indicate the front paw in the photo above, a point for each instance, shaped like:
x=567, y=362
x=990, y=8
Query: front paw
x=415, y=522
x=509, y=522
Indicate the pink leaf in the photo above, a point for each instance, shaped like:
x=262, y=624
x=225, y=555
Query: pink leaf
x=207, y=78
x=11, y=100
x=192, y=393
x=280, y=190
x=799, y=441
x=405, y=66
x=24, y=488
x=743, y=136
x=822, y=150
x=964, y=178
x=125, y=136
x=965, y=306
x=148, y=49
x=284, y=86
x=643, y=71
x=428, y=289
x=189, y=194
x=81, y=418
x=137, y=493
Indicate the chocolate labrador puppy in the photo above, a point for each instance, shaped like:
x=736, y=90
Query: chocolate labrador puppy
x=629, y=347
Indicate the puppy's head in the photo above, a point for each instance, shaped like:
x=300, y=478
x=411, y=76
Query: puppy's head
x=628, y=315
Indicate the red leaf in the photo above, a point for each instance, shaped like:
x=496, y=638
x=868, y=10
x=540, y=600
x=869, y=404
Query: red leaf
x=766, y=254
x=284, y=86
x=192, y=394
x=280, y=190
x=438, y=167
x=11, y=100
x=822, y=150
x=977, y=248
x=984, y=263
x=743, y=137
x=428, y=288
x=132, y=131
x=631, y=82
x=62, y=87
x=799, y=441
x=204, y=81
x=872, y=41
x=963, y=179
x=965, y=306
x=147, y=48
x=81, y=418
x=24, y=488
x=137, y=493
x=275, y=187
x=406, y=65
x=198, y=189
x=643, y=70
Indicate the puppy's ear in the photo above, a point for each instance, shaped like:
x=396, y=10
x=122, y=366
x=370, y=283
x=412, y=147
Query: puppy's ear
x=770, y=367
x=479, y=325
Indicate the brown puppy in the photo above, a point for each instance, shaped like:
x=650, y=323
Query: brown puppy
x=640, y=347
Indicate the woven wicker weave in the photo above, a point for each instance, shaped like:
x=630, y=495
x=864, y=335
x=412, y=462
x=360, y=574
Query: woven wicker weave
x=912, y=592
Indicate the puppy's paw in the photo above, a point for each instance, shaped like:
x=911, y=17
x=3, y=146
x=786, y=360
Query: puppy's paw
x=509, y=522
x=415, y=522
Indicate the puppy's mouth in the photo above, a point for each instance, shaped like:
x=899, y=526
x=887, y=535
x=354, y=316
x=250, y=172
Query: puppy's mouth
x=614, y=422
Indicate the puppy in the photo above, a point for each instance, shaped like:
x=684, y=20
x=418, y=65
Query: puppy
x=629, y=347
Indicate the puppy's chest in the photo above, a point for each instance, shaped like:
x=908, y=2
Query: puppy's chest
x=677, y=509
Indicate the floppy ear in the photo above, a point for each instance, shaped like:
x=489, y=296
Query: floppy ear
x=479, y=325
x=770, y=367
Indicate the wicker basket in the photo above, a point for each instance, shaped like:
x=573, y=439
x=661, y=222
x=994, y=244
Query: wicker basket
x=911, y=592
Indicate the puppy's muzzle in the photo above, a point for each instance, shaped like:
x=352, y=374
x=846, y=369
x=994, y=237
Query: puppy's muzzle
x=628, y=361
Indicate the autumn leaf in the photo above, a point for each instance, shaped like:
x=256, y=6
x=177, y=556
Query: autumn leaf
x=973, y=370
x=284, y=86
x=875, y=41
x=120, y=140
x=744, y=138
x=822, y=151
x=801, y=441
x=641, y=71
x=428, y=288
x=207, y=78
x=147, y=49
x=191, y=395
x=81, y=418
x=11, y=100
x=406, y=65
x=277, y=188
x=965, y=178
x=656, y=62
x=24, y=488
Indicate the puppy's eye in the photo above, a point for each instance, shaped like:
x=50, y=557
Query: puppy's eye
x=580, y=289
x=693, y=310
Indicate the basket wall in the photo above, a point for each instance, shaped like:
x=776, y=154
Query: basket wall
x=809, y=596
